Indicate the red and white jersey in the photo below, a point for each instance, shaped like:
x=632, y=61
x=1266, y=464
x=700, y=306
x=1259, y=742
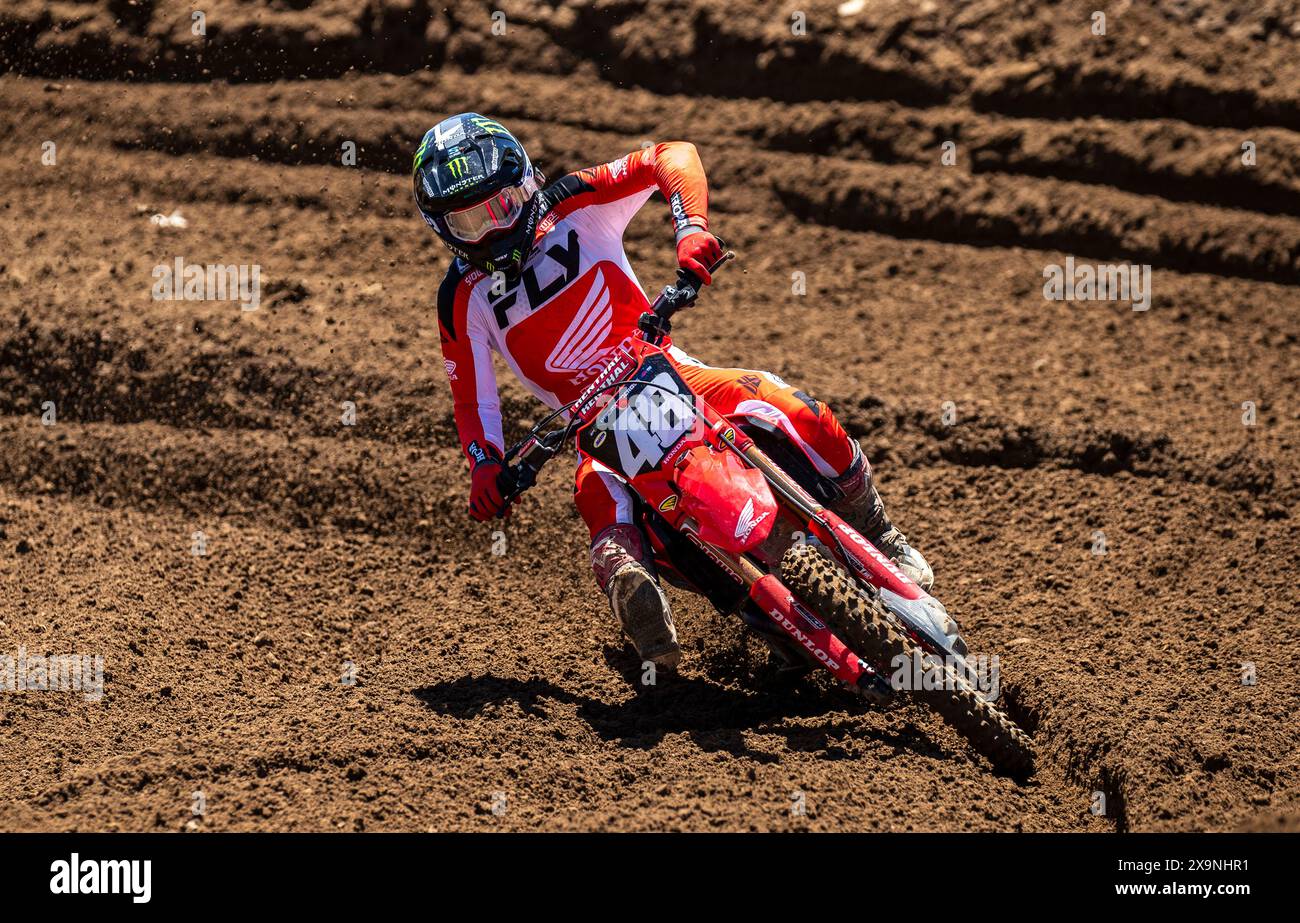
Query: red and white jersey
x=577, y=297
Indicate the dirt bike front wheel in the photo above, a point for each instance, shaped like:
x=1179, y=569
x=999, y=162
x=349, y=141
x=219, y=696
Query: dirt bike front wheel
x=864, y=624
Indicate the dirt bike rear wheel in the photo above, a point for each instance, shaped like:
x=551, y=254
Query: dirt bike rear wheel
x=864, y=624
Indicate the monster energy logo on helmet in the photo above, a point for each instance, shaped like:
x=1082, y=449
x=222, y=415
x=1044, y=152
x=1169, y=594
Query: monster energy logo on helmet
x=419, y=154
x=491, y=126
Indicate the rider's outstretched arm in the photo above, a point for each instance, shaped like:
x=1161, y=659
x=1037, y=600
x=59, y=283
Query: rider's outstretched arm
x=467, y=358
x=673, y=167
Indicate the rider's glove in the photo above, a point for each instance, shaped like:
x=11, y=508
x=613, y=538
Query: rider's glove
x=697, y=250
x=485, y=500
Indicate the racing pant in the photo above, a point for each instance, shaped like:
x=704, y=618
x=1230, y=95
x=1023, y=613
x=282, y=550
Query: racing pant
x=605, y=500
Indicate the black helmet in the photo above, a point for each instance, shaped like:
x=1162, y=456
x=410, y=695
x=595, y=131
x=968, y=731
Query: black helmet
x=477, y=189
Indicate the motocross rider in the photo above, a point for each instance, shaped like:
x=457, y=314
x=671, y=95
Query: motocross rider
x=540, y=277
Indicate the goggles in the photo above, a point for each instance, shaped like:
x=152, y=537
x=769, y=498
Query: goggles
x=498, y=211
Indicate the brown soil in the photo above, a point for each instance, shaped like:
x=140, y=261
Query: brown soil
x=480, y=674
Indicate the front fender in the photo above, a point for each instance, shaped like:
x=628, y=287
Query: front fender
x=729, y=500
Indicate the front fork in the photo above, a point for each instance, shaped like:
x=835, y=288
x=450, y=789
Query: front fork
x=809, y=633
x=865, y=560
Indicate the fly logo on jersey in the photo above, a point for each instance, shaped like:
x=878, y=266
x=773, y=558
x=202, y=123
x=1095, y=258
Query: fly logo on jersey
x=564, y=345
x=450, y=366
x=583, y=342
x=567, y=257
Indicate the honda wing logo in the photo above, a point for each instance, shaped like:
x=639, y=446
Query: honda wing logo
x=747, y=523
x=584, y=341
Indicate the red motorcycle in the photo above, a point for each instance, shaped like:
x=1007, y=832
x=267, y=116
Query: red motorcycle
x=736, y=512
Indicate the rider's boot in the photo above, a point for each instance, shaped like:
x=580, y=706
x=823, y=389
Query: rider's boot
x=863, y=509
x=625, y=572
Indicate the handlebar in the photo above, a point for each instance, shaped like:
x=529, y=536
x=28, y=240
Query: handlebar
x=657, y=322
x=535, y=450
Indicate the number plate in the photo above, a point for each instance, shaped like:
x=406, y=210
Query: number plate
x=648, y=417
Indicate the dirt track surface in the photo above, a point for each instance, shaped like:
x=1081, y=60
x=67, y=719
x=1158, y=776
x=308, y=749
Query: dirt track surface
x=478, y=673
